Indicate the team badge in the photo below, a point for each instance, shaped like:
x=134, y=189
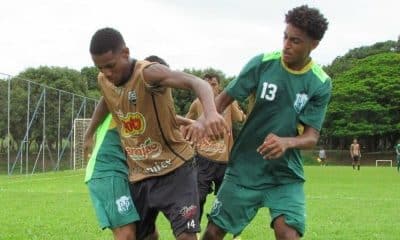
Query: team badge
x=216, y=208
x=132, y=97
x=300, y=102
x=124, y=204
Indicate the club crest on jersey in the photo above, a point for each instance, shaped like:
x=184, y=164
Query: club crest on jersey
x=132, y=97
x=123, y=204
x=300, y=102
x=133, y=124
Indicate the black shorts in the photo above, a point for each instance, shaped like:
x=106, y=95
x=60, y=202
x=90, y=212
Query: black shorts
x=209, y=172
x=174, y=194
x=356, y=158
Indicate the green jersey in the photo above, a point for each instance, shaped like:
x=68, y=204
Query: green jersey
x=283, y=99
x=398, y=151
x=108, y=158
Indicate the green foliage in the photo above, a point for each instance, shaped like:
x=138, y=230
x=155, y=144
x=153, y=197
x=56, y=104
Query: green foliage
x=365, y=98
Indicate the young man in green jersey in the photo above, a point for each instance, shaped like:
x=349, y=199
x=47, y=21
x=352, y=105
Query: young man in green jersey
x=107, y=181
x=265, y=167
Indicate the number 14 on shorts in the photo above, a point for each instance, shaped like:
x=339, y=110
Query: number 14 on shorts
x=191, y=224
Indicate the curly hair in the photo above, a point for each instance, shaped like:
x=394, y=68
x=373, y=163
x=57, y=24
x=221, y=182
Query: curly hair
x=310, y=20
x=157, y=59
x=210, y=75
x=106, y=39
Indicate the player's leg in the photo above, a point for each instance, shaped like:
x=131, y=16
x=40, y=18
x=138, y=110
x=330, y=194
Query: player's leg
x=287, y=209
x=127, y=232
x=145, y=228
x=176, y=195
x=354, y=162
x=233, y=209
x=114, y=206
x=205, y=178
x=358, y=162
x=398, y=163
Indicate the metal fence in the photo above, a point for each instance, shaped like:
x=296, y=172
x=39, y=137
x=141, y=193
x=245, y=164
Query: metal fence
x=36, y=125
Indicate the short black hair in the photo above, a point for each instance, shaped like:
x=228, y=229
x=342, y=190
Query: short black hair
x=211, y=75
x=106, y=39
x=310, y=20
x=155, y=58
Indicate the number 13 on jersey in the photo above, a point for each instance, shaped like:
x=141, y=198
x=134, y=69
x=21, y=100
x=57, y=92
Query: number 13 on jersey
x=268, y=91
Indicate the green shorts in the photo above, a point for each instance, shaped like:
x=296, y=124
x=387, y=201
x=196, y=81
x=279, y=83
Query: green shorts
x=112, y=201
x=235, y=206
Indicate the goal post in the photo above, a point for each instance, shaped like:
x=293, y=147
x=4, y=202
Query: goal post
x=383, y=161
x=80, y=126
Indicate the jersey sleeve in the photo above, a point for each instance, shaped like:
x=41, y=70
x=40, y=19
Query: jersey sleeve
x=246, y=83
x=314, y=112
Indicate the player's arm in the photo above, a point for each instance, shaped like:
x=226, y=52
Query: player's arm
x=397, y=151
x=351, y=150
x=213, y=123
x=98, y=117
x=274, y=146
x=183, y=121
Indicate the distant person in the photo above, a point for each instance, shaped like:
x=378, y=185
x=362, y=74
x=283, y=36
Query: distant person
x=162, y=171
x=107, y=181
x=212, y=156
x=398, y=155
x=322, y=156
x=355, y=154
x=265, y=168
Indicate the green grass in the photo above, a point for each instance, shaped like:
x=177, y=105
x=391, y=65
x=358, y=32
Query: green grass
x=341, y=204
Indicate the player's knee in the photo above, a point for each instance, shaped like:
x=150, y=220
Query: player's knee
x=284, y=231
x=127, y=232
x=213, y=232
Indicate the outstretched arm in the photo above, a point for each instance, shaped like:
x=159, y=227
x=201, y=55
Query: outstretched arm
x=274, y=146
x=98, y=117
x=159, y=75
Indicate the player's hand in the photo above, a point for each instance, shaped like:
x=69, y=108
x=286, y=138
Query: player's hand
x=193, y=132
x=273, y=147
x=87, y=146
x=215, y=126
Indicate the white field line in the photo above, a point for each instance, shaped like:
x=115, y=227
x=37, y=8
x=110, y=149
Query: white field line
x=352, y=198
x=33, y=178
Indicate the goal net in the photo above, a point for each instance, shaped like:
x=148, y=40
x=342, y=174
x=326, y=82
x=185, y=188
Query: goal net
x=80, y=126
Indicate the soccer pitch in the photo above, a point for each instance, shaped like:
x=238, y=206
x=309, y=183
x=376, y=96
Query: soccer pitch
x=341, y=204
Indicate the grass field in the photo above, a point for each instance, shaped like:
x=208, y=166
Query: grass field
x=341, y=204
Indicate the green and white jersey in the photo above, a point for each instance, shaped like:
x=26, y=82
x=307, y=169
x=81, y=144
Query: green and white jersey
x=283, y=99
x=108, y=158
x=397, y=148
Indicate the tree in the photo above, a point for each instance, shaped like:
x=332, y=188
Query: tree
x=365, y=100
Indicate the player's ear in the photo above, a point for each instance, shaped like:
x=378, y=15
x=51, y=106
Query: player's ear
x=314, y=44
x=125, y=52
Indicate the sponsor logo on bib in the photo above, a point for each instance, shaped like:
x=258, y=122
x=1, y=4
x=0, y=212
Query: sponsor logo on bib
x=133, y=124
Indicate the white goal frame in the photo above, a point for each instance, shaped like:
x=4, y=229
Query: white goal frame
x=383, y=160
x=80, y=126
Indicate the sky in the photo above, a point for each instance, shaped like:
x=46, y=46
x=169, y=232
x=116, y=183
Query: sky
x=223, y=34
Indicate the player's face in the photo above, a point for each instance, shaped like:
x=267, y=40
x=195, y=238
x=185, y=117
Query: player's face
x=115, y=66
x=297, y=46
x=214, y=84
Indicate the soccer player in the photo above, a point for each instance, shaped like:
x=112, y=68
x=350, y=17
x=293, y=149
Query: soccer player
x=162, y=172
x=212, y=156
x=107, y=180
x=265, y=167
x=398, y=156
x=355, y=154
x=322, y=156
